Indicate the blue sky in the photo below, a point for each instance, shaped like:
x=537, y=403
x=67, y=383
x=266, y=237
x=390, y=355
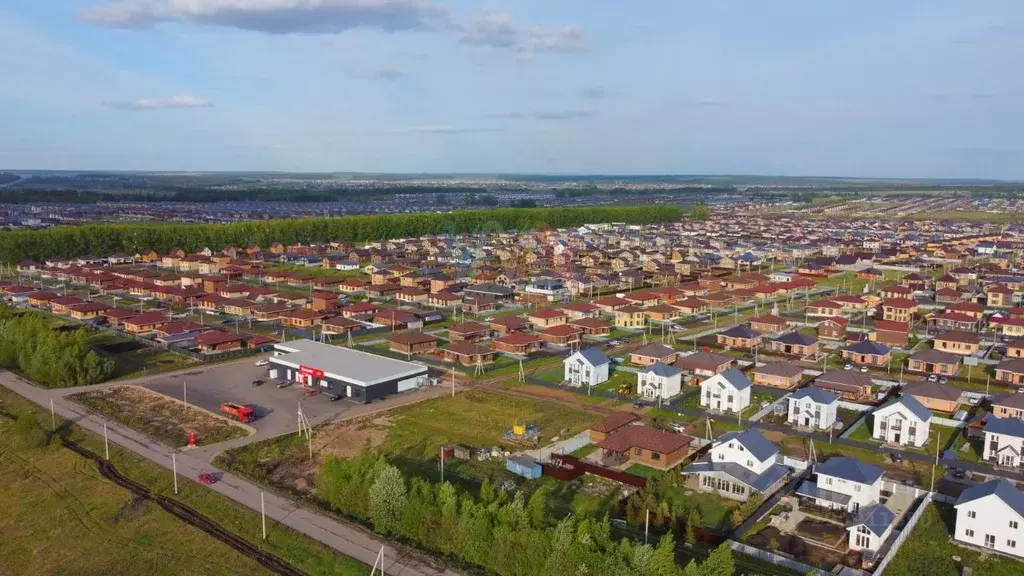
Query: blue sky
x=928, y=88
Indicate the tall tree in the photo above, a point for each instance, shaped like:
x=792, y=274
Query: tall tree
x=387, y=498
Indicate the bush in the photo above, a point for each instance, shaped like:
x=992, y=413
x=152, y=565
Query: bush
x=28, y=431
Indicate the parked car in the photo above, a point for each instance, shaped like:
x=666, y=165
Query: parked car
x=263, y=362
x=676, y=426
x=933, y=378
x=848, y=367
x=284, y=384
x=896, y=457
x=638, y=405
x=863, y=368
x=207, y=478
x=943, y=380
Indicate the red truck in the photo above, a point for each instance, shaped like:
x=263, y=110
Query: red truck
x=240, y=411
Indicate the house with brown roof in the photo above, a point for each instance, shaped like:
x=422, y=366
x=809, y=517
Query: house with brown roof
x=662, y=312
x=63, y=304
x=504, y=325
x=890, y=333
x=520, y=343
x=934, y=362
x=593, y=326
x=934, y=396
x=89, y=310
x=652, y=354
x=325, y=301
x=999, y=295
x=42, y=298
x=339, y=325
x=645, y=445
x=957, y=342
x=795, y=344
x=949, y=320
x=847, y=384
x=1010, y=371
x=824, y=309
x=610, y=304
x=899, y=309
x=301, y=318
x=547, y=317
x=783, y=375
x=1008, y=406
x=896, y=291
x=1015, y=348
x=613, y=422
x=705, y=364
x=412, y=342
x=467, y=354
x=145, y=322
x=630, y=317
x=561, y=335
x=692, y=306
x=768, y=324
x=218, y=341
x=578, y=310
x=833, y=328
x=468, y=331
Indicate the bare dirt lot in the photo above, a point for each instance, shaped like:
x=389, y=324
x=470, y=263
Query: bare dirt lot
x=159, y=417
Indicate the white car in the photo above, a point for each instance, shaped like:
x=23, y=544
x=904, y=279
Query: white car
x=848, y=367
x=863, y=368
x=262, y=362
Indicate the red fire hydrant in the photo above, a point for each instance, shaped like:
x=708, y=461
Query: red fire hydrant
x=192, y=439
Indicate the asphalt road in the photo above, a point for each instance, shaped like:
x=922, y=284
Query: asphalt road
x=347, y=539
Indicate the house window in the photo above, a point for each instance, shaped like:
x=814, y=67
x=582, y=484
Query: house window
x=828, y=481
x=856, y=487
x=990, y=541
x=638, y=451
x=969, y=533
x=750, y=463
x=1013, y=524
x=655, y=456
x=971, y=514
x=1011, y=543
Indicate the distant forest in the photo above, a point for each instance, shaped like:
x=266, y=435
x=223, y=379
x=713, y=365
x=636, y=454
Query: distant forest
x=106, y=239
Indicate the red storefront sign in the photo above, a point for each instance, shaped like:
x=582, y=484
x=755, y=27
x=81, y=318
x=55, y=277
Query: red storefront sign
x=307, y=371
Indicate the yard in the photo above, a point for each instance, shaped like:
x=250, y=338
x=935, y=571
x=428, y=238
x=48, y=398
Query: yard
x=944, y=435
x=160, y=417
x=61, y=517
x=134, y=359
x=929, y=550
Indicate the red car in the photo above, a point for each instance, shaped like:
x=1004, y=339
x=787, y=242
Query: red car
x=207, y=478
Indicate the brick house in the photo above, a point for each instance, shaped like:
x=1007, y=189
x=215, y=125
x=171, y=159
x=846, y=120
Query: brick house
x=899, y=309
x=833, y=328
x=934, y=362
x=957, y=342
x=1011, y=371
x=468, y=332
x=412, y=342
x=593, y=326
x=218, y=341
x=519, y=343
x=645, y=445
x=740, y=336
x=890, y=333
x=547, y=317
x=467, y=353
x=653, y=353
x=704, y=364
x=768, y=324
x=796, y=344
x=562, y=335
x=867, y=353
x=781, y=375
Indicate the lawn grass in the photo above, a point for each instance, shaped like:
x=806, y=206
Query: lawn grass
x=583, y=451
x=68, y=516
x=141, y=361
x=643, y=471
x=476, y=418
x=929, y=550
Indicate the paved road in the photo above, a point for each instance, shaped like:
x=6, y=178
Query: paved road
x=349, y=540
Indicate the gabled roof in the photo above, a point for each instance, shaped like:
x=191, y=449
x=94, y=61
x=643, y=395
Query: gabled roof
x=702, y=361
x=796, y=338
x=741, y=331
x=816, y=394
x=661, y=369
x=1001, y=488
x=1008, y=426
x=935, y=357
x=753, y=441
x=594, y=356
x=851, y=469
x=784, y=369
x=868, y=347
x=932, y=390
x=911, y=404
x=876, y=517
x=654, y=350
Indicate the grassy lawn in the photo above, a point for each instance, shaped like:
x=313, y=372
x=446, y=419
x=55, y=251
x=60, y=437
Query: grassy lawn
x=618, y=379
x=158, y=416
x=715, y=511
x=929, y=550
x=972, y=453
x=644, y=471
x=133, y=359
x=583, y=451
x=60, y=513
x=476, y=418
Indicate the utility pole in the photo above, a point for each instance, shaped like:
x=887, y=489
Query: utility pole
x=184, y=393
x=647, y=525
x=937, y=436
x=174, y=469
x=263, y=515
x=106, y=445
x=53, y=417
x=442, y=464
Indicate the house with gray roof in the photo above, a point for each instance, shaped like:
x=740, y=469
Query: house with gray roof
x=726, y=392
x=738, y=465
x=871, y=528
x=902, y=421
x=587, y=367
x=659, y=380
x=813, y=407
x=991, y=516
x=1004, y=441
x=843, y=483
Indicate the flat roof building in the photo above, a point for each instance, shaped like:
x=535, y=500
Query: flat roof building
x=360, y=376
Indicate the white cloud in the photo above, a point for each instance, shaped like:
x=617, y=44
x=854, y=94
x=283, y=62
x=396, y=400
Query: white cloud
x=544, y=115
x=273, y=16
x=160, y=103
x=499, y=30
x=444, y=129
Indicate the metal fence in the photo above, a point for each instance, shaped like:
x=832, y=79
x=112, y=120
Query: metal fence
x=772, y=558
x=902, y=535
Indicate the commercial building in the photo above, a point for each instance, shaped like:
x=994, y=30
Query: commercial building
x=360, y=376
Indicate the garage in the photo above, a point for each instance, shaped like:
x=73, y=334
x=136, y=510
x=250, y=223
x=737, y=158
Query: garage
x=354, y=374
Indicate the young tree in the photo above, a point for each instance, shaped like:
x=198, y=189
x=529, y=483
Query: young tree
x=663, y=561
x=387, y=498
x=693, y=522
x=720, y=562
x=28, y=430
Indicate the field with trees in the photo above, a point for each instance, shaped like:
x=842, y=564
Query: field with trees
x=104, y=239
x=30, y=345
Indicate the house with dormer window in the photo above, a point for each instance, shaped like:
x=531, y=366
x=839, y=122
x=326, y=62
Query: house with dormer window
x=991, y=516
x=587, y=367
x=1004, y=441
x=843, y=483
x=738, y=465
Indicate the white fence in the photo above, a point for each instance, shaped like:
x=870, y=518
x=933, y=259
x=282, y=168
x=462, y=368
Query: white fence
x=854, y=406
x=794, y=463
x=772, y=558
x=897, y=488
x=902, y=535
x=948, y=422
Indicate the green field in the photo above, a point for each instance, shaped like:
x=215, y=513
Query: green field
x=134, y=360
x=929, y=550
x=61, y=517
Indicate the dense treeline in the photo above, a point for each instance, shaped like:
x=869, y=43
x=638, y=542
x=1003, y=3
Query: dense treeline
x=56, y=358
x=506, y=535
x=249, y=193
x=105, y=239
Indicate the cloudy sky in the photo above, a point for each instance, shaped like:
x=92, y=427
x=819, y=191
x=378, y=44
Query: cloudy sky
x=911, y=88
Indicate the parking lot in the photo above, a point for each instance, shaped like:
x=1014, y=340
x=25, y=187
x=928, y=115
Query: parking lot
x=276, y=408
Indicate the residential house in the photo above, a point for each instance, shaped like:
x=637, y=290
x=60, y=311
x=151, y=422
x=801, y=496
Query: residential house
x=1008, y=406
x=843, y=483
x=653, y=353
x=301, y=318
x=871, y=528
x=934, y=396
x=145, y=322
x=1004, y=442
x=519, y=343
x=89, y=310
x=739, y=465
x=991, y=516
x=813, y=407
x=630, y=317
x=561, y=335
x=659, y=380
x=950, y=320
x=505, y=325
x=934, y=362
x=781, y=375
x=739, y=336
x=467, y=353
x=957, y=342
x=726, y=392
x=339, y=325
x=999, y=295
x=867, y=353
x=847, y=384
x=586, y=367
x=903, y=421
x=692, y=306
x=412, y=342
x=768, y=324
x=219, y=341
x=833, y=328
x=468, y=331
x=824, y=309
x=645, y=445
x=613, y=422
x=704, y=364
x=795, y=344
x=899, y=309
x=890, y=333
x=593, y=326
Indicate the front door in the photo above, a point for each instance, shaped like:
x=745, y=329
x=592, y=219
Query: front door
x=896, y=437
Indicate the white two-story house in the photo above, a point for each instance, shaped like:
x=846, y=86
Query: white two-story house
x=904, y=421
x=871, y=528
x=991, y=515
x=659, y=380
x=1004, y=441
x=813, y=407
x=726, y=392
x=738, y=465
x=843, y=483
x=587, y=367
